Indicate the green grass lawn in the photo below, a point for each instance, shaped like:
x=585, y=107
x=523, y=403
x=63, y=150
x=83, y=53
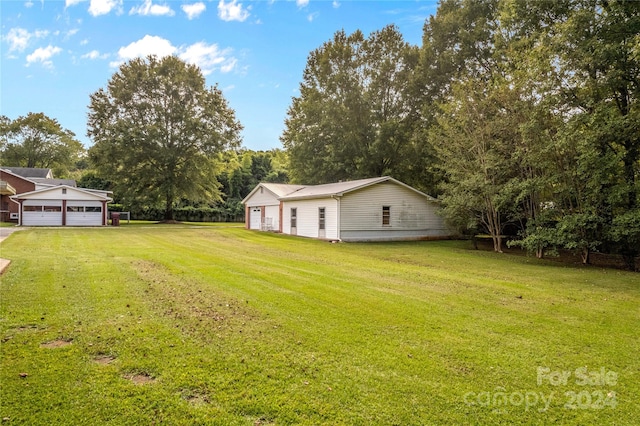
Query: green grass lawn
x=183, y=325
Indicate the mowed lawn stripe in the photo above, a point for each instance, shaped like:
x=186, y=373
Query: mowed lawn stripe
x=239, y=327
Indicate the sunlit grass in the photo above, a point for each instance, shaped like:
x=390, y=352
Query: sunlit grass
x=184, y=324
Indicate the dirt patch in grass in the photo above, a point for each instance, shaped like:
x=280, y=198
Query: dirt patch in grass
x=59, y=343
x=104, y=359
x=195, y=397
x=140, y=378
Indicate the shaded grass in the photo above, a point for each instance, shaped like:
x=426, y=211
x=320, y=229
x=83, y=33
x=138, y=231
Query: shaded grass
x=236, y=327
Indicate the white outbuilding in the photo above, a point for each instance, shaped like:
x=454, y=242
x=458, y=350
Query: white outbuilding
x=62, y=205
x=376, y=209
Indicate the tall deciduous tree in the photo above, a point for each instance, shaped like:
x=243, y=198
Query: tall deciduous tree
x=158, y=130
x=356, y=112
x=38, y=141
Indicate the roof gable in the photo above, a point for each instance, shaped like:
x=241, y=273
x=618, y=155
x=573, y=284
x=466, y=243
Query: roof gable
x=277, y=189
x=62, y=192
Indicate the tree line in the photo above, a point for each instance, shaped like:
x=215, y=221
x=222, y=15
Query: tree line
x=521, y=116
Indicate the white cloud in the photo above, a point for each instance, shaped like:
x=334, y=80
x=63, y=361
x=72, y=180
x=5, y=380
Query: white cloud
x=43, y=55
x=94, y=54
x=208, y=57
x=84, y=42
x=148, y=8
x=68, y=3
x=312, y=16
x=232, y=11
x=28, y=4
x=71, y=33
x=193, y=10
x=103, y=7
x=148, y=45
x=302, y=3
x=18, y=38
x=335, y=4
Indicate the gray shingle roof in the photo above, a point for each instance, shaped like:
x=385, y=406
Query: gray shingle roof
x=54, y=182
x=30, y=172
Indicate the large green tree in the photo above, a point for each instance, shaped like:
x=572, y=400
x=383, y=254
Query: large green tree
x=356, y=111
x=158, y=131
x=584, y=54
x=570, y=72
x=36, y=140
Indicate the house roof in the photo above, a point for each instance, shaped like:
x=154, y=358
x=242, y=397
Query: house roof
x=338, y=189
x=277, y=189
x=54, y=182
x=15, y=175
x=30, y=172
x=281, y=189
x=72, y=194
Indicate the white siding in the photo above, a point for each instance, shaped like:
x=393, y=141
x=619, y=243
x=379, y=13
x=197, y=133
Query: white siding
x=66, y=193
x=412, y=215
x=262, y=197
x=272, y=213
x=308, y=211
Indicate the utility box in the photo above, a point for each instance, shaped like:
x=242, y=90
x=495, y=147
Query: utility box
x=115, y=219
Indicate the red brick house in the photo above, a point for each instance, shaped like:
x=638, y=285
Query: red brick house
x=12, y=184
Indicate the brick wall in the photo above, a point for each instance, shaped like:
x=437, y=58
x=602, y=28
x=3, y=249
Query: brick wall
x=21, y=186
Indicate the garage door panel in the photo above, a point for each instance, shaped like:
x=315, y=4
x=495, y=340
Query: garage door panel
x=84, y=219
x=42, y=218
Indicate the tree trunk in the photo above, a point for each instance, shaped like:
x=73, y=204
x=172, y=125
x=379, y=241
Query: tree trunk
x=168, y=210
x=585, y=255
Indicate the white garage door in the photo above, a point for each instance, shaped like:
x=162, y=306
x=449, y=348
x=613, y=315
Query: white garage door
x=255, y=218
x=84, y=213
x=42, y=213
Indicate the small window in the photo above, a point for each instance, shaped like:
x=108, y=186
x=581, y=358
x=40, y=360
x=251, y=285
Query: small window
x=52, y=208
x=93, y=209
x=386, y=215
x=32, y=208
x=74, y=209
x=321, y=218
x=294, y=218
x=64, y=190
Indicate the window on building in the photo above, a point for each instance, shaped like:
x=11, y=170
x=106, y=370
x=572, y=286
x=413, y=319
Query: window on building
x=93, y=209
x=64, y=190
x=32, y=208
x=321, y=218
x=386, y=215
x=294, y=217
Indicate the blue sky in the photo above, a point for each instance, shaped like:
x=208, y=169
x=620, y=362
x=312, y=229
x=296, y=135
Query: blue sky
x=55, y=53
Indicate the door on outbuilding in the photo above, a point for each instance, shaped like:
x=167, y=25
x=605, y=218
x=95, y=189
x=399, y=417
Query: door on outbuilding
x=256, y=218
